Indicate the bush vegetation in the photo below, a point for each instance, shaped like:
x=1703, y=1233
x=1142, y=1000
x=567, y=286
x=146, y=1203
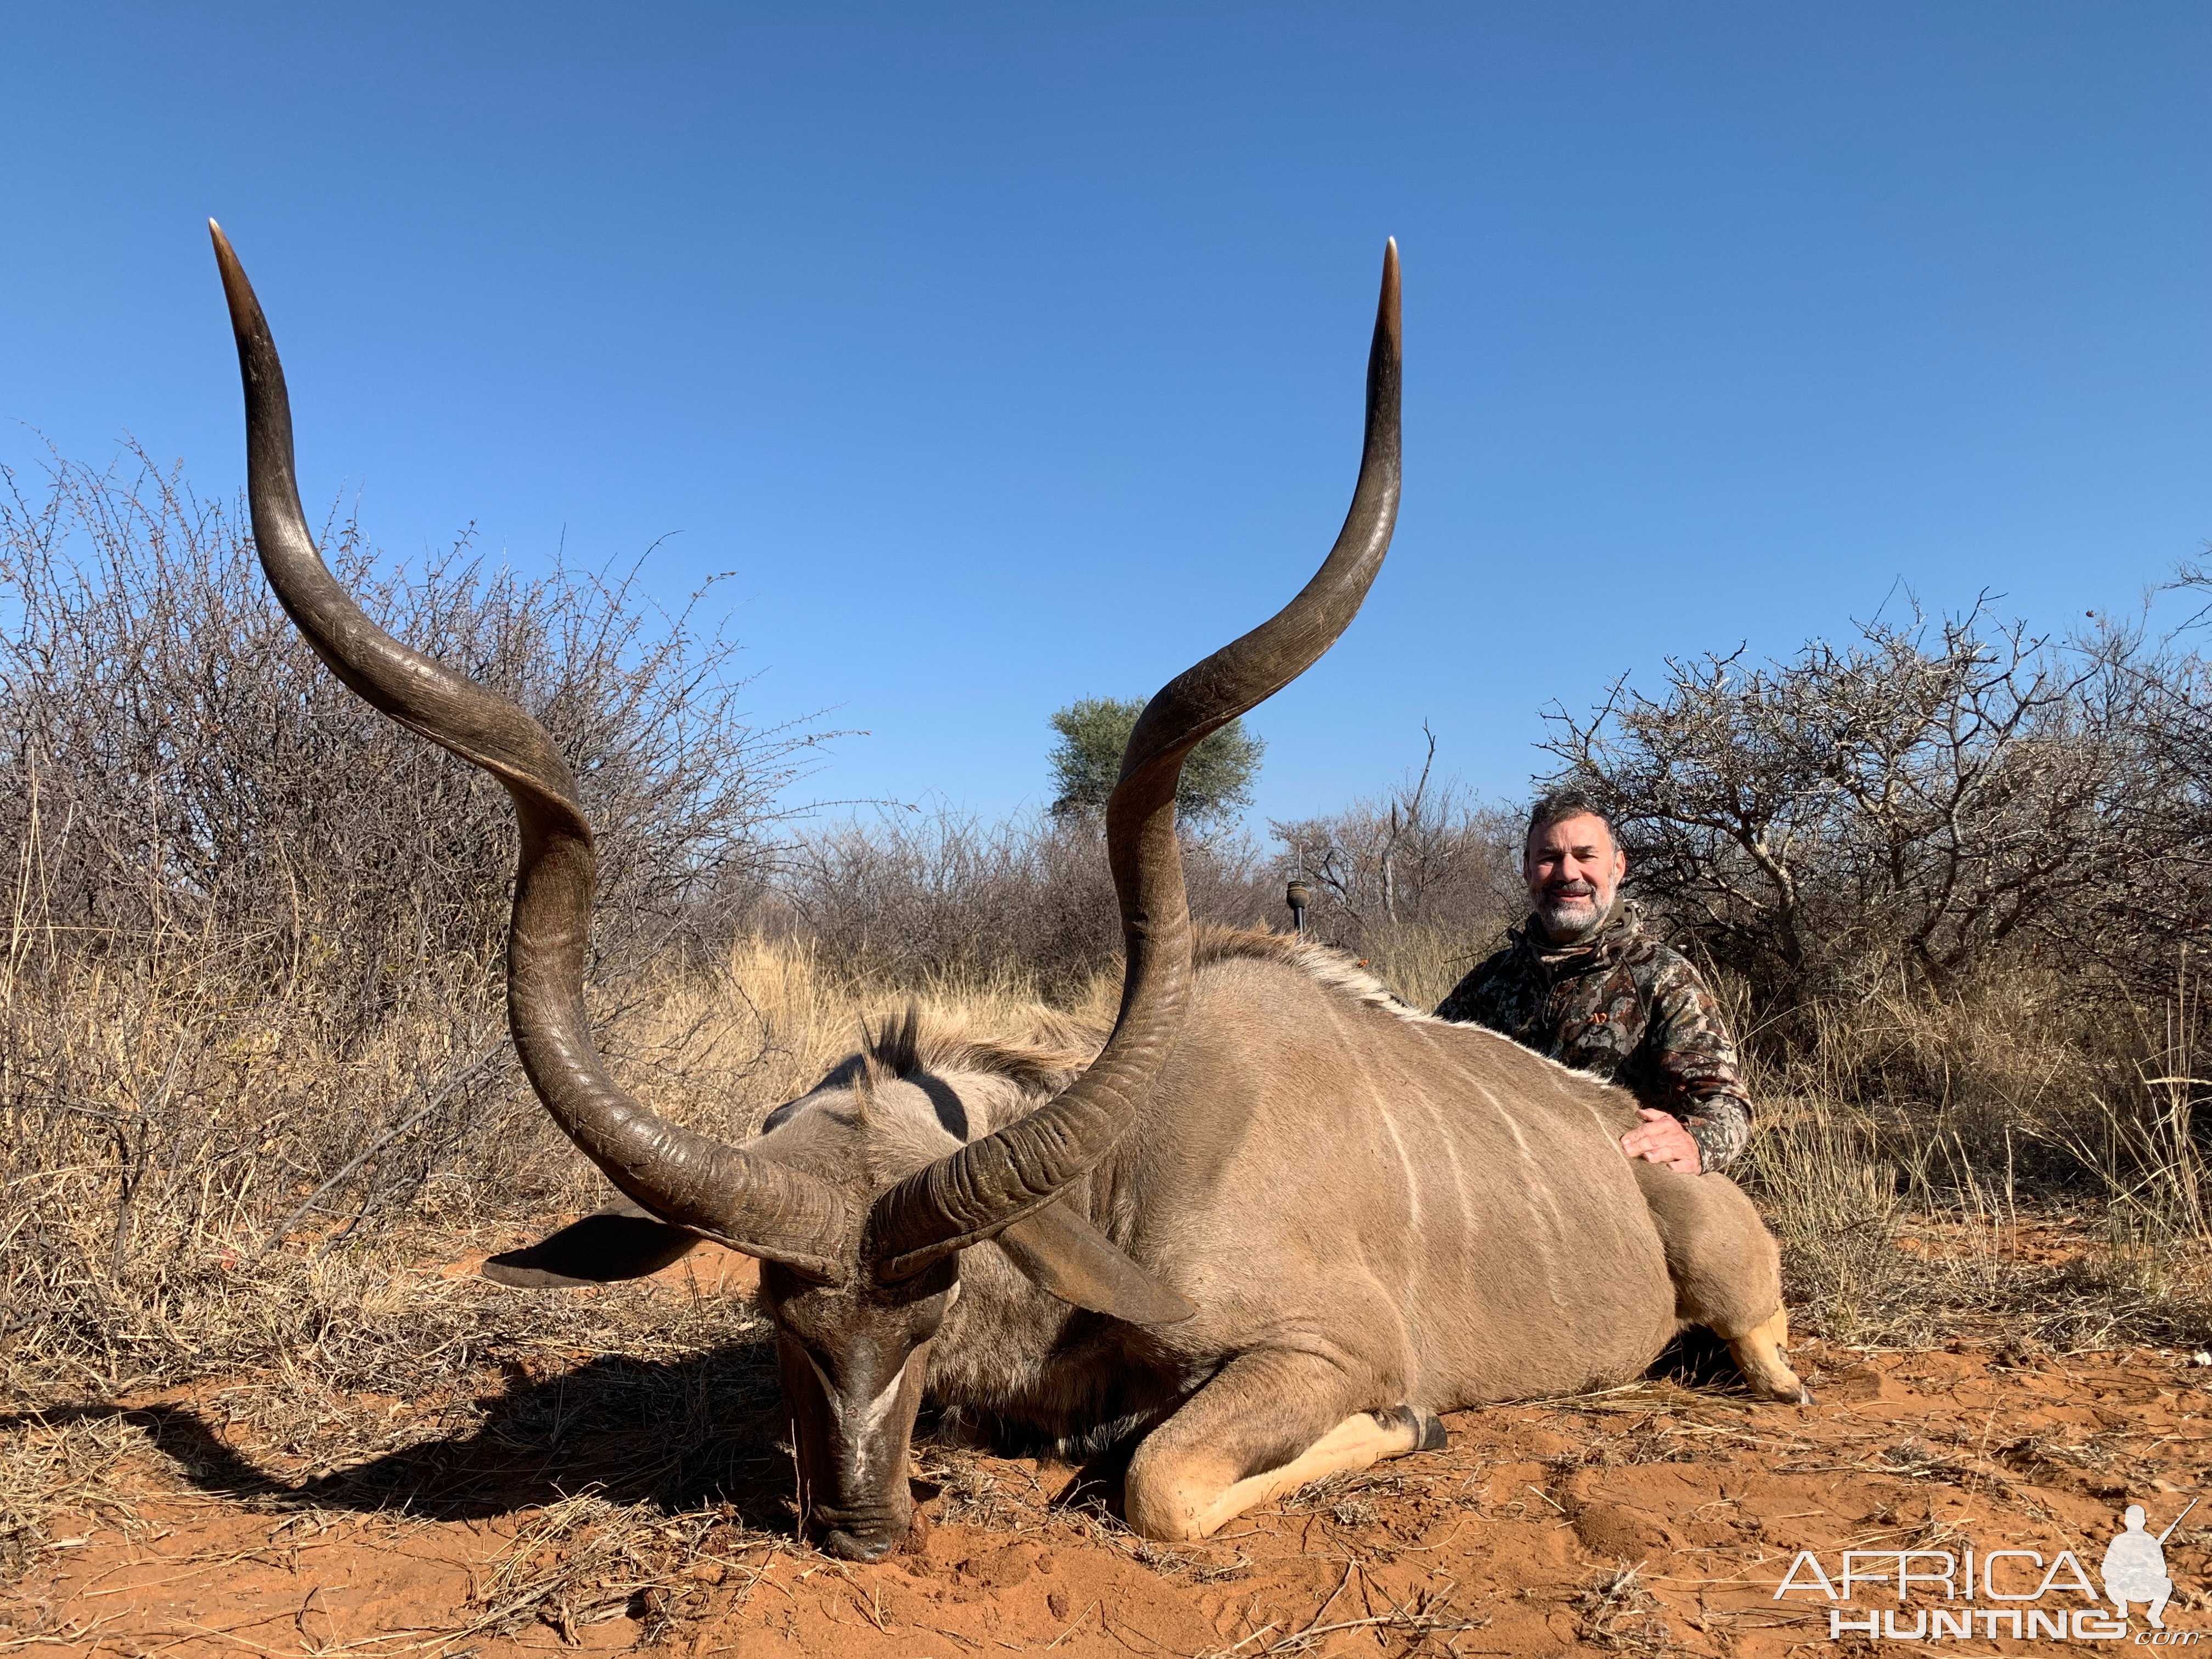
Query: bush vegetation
x=1952, y=878
x=252, y=983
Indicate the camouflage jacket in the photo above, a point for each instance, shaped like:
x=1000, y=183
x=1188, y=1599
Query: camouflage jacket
x=1625, y=1007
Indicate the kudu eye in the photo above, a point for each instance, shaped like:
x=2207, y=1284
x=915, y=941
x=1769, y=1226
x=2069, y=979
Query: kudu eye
x=927, y=1315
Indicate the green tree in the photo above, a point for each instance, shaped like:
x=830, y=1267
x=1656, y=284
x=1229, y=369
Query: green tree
x=1217, y=779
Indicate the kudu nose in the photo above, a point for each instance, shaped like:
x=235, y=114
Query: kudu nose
x=846, y=1546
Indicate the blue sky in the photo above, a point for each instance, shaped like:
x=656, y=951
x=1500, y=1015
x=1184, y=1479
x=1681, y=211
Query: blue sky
x=1010, y=355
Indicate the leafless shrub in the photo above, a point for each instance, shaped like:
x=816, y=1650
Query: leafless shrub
x=918, y=900
x=179, y=761
x=1929, y=796
x=1421, y=884
x=252, y=981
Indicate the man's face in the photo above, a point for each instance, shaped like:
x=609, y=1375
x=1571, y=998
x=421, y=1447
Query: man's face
x=1573, y=870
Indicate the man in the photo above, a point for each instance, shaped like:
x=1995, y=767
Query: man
x=1582, y=982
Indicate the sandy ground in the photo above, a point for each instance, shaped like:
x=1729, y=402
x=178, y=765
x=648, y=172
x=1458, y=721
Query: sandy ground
x=1657, y=1517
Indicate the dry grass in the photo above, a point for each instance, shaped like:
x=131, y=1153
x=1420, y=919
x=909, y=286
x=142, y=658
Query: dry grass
x=1423, y=962
x=1617, y=1612
x=121, y=1285
x=145, y=1199
x=1914, y=1159
x=583, y=1560
x=68, y=1468
x=1896, y=1228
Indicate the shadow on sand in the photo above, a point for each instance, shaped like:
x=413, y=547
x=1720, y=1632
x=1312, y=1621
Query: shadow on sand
x=680, y=1435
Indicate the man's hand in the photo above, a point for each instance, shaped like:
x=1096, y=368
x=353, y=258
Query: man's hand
x=1662, y=1139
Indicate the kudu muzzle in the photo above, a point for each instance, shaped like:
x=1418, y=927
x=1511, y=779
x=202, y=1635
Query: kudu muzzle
x=851, y=1435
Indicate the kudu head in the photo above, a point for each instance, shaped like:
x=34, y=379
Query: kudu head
x=857, y=1215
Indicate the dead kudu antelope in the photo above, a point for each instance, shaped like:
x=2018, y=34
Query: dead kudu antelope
x=1267, y=1232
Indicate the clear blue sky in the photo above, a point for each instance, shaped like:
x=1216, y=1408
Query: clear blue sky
x=1010, y=355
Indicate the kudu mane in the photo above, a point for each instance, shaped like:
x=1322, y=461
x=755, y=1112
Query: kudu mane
x=938, y=1041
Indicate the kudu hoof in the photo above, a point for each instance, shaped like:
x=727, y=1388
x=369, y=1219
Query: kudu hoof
x=1426, y=1428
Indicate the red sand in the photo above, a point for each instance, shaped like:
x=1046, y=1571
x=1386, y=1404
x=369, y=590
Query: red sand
x=1504, y=1543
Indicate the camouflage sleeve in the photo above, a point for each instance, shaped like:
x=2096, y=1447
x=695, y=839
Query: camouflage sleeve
x=1721, y=1124
x=1475, y=1000
x=1695, y=1061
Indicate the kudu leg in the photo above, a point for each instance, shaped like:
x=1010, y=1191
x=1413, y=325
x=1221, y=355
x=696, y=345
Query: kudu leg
x=1267, y=1424
x=1726, y=1272
x=1762, y=1354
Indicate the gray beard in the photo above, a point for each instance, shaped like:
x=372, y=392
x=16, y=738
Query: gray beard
x=1573, y=921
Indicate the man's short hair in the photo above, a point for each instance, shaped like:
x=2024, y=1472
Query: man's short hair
x=1572, y=802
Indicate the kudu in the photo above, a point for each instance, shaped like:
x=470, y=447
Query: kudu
x=1275, y=1226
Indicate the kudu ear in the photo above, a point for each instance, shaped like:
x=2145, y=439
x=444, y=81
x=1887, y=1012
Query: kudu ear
x=622, y=1240
x=1059, y=1252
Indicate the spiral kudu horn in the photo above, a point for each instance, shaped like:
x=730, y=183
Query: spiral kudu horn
x=989, y=1184
x=750, y=1203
